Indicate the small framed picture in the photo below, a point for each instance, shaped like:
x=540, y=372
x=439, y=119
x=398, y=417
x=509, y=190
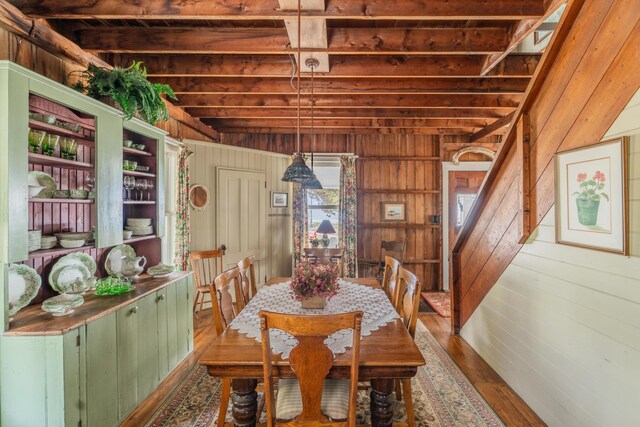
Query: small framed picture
x=393, y=212
x=279, y=199
x=591, y=196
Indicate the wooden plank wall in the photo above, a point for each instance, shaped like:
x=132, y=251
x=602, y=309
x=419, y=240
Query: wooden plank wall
x=560, y=325
x=390, y=167
x=203, y=163
x=591, y=80
x=30, y=56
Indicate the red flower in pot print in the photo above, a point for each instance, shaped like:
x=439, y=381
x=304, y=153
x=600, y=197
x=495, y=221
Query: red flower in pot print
x=589, y=196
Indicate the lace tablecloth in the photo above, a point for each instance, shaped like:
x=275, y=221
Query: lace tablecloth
x=377, y=309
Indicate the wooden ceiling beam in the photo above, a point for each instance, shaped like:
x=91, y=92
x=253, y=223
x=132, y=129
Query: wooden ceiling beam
x=346, y=130
x=248, y=85
x=499, y=126
x=351, y=113
x=339, y=41
x=519, y=31
x=353, y=101
x=514, y=65
x=260, y=9
x=335, y=123
x=41, y=34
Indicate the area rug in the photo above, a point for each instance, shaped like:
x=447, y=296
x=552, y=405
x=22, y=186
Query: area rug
x=442, y=396
x=439, y=301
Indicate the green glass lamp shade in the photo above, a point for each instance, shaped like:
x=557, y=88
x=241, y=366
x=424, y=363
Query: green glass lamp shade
x=298, y=171
x=313, y=184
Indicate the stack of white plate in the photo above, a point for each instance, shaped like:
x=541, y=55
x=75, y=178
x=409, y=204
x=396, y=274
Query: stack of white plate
x=34, y=240
x=48, y=242
x=139, y=226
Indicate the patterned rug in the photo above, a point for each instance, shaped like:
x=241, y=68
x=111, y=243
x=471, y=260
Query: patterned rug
x=442, y=396
x=439, y=301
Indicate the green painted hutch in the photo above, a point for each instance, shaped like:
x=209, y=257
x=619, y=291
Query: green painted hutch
x=93, y=367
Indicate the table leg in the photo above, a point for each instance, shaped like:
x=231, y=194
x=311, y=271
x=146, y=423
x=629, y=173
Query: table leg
x=245, y=402
x=382, y=402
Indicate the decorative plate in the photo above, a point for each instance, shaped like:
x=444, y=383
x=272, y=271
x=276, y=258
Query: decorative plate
x=113, y=264
x=77, y=258
x=160, y=270
x=45, y=180
x=24, y=283
x=62, y=304
x=72, y=279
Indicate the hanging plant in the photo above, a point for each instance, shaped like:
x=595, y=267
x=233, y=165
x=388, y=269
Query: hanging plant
x=129, y=88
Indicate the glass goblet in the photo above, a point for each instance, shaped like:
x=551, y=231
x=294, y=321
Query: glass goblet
x=141, y=186
x=149, y=188
x=35, y=140
x=49, y=144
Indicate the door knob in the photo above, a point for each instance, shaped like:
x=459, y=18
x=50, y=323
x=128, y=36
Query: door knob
x=160, y=297
x=134, y=310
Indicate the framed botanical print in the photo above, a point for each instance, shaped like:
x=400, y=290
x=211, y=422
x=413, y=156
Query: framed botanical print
x=279, y=199
x=591, y=196
x=393, y=212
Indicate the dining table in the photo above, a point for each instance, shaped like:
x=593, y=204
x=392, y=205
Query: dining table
x=387, y=352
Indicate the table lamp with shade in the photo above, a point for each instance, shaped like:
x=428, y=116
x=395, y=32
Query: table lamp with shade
x=325, y=228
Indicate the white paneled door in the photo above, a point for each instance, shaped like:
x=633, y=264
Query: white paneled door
x=241, y=217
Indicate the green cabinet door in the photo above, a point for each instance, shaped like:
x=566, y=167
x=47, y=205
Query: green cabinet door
x=172, y=326
x=184, y=318
x=163, y=333
x=147, y=346
x=127, y=350
x=102, y=364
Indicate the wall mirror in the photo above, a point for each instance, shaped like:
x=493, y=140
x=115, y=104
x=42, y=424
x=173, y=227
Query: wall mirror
x=199, y=197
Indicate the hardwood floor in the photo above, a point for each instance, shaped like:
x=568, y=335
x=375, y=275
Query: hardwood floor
x=507, y=404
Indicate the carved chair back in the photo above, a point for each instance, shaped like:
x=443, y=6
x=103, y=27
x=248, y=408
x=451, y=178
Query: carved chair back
x=325, y=256
x=311, y=360
x=395, y=249
x=390, y=279
x=224, y=310
x=409, y=299
x=247, y=278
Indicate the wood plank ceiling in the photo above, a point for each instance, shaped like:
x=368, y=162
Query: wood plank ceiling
x=404, y=66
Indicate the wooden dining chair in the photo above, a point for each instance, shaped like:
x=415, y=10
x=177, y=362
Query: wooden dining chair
x=407, y=307
x=393, y=248
x=390, y=279
x=247, y=278
x=206, y=266
x=326, y=256
x=224, y=311
x=311, y=398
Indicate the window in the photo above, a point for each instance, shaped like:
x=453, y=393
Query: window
x=170, y=180
x=324, y=204
x=464, y=203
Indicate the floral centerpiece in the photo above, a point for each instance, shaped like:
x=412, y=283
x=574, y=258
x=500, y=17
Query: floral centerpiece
x=314, y=284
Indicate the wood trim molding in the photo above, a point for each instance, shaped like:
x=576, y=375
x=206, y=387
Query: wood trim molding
x=478, y=150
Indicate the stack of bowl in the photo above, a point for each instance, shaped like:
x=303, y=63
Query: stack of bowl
x=34, y=240
x=48, y=242
x=139, y=226
x=74, y=239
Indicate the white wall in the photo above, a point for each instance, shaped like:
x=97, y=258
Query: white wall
x=203, y=163
x=562, y=324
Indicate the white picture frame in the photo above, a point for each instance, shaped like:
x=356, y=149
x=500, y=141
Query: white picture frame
x=591, y=196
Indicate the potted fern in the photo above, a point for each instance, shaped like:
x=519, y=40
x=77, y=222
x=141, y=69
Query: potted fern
x=129, y=88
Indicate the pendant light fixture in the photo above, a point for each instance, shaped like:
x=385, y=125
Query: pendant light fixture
x=298, y=171
x=312, y=184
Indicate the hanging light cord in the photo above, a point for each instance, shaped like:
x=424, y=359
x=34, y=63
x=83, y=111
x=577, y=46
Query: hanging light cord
x=299, y=69
x=313, y=135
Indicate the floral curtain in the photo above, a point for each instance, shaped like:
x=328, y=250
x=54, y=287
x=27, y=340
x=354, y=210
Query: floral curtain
x=349, y=214
x=300, y=226
x=183, y=232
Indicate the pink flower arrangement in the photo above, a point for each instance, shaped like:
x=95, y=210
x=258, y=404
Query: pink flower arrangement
x=311, y=280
